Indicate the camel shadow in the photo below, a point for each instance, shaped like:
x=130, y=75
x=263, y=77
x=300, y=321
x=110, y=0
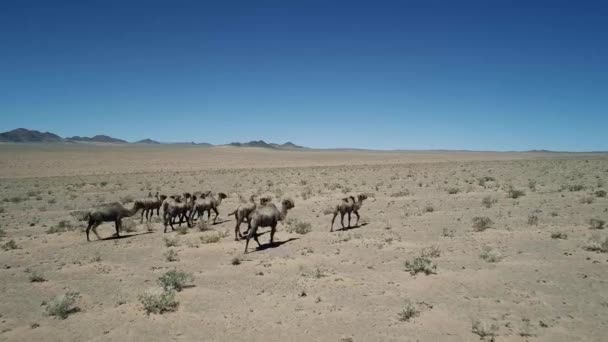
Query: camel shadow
x=219, y=222
x=352, y=227
x=124, y=236
x=274, y=244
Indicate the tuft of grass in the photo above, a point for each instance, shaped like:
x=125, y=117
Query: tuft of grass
x=34, y=276
x=448, y=232
x=420, y=264
x=587, y=199
x=235, y=261
x=428, y=209
x=158, y=303
x=596, y=223
x=485, y=330
x=149, y=227
x=597, y=244
x=2, y=233
x=559, y=235
x=600, y=193
x=10, y=245
x=489, y=254
x=453, y=190
x=431, y=252
x=128, y=226
x=210, y=238
x=575, y=187
x=171, y=242
x=183, y=230
x=532, y=220
x=171, y=255
x=63, y=305
x=488, y=201
x=202, y=226
x=482, y=181
x=175, y=280
x=481, y=223
x=514, y=193
x=297, y=226
x=402, y=193
x=409, y=311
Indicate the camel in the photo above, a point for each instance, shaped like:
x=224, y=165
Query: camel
x=243, y=213
x=149, y=204
x=112, y=212
x=267, y=216
x=347, y=205
x=199, y=195
x=174, y=207
x=207, y=204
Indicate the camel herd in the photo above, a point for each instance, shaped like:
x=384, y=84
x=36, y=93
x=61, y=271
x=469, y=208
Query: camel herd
x=188, y=207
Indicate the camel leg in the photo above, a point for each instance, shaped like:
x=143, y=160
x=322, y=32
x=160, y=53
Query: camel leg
x=348, y=219
x=357, y=213
x=142, y=216
x=88, y=229
x=342, y=219
x=217, y=213
x=272, y=231
x=332, y=222
x=237, y=231
x=251, y=233
x=117, y=225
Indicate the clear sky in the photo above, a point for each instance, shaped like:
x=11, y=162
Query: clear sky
x=483, y=75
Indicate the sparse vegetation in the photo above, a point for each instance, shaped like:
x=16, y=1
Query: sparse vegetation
x=10, y=245
x=482, y=223
x=596, y=223
x=409, y=311
x=559, y=235
x=175, y=280
x=600, y=193
x=34, y=276
x=532, y=220
x=210, y=238
x=576, y=187
x=171, y=242
x=235, y=261
x=447, y=232
x=486, y=331
x=159, y=302
x=587, y=199
x=63, y=305
x=490, y=254
x=514, y=193
x=453, y=190
x=293, y=225
x=597, y=244
x=431, y=252
x=402, y=193
x=420, y=264
x=171, y=255
x=488, y=201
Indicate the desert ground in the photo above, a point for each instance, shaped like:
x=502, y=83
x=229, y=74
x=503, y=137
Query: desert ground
x=513, y=243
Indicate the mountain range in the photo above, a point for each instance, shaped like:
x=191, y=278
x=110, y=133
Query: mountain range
x=23, y=135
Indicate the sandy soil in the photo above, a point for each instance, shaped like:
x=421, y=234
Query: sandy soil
x=349, y=285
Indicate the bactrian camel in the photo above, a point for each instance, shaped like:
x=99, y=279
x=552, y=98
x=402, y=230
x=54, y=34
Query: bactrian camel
x=243, y=213
x=207, y=204
x=347, y=205
x=176, y=207
x=151, y=203
x=112, y=212
x=267, y=216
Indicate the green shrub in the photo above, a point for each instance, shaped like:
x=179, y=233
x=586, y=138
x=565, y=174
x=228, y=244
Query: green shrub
x=490, y=255
x=409, y=311
x=297, y=226
x=210, y=238
x=453, y=191
x=159, y=303
x=10, y=245
x=597, y=244
x=420, y=264
x=63, y=305
x=34, y=276
x=514, y=193
x=600, y=193
x=576, y=187
x=482, y=223
x=532, y=220
x=559, y=235
x=596, y=223
x=171, y=255
x=171, y=242
x=488, y=201
x=175, y=280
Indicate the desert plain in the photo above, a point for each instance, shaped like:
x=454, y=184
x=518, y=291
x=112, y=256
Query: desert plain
x=451, y=246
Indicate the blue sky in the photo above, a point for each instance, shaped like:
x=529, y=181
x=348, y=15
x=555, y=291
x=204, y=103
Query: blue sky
x=482, y=75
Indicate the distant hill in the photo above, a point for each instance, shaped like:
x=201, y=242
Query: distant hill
x=263, y=144
x=98, y=138
x=148, y=141
x=22, y=135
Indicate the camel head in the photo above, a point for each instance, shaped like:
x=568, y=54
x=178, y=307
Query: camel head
x=288, y=203
x=149, y=193
x=187, y=195
x=253, y=197
x=361, y=197
x=162, y=197
x=265, y=200
x=222, y=195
